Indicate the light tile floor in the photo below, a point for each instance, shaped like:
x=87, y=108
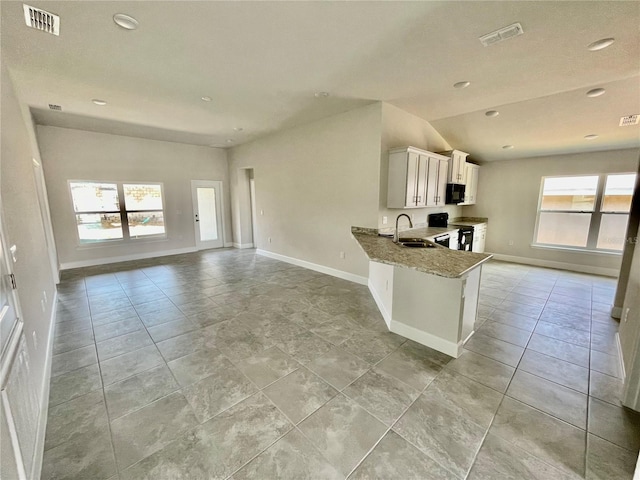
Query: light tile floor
x=225, y=364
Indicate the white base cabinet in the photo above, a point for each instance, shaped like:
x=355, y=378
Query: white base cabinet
x=479, y=237
x=435, y=311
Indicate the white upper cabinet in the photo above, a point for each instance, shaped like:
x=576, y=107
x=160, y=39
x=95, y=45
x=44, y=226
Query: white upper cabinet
x=417, y=178
x=437, y=180
x=471, y=172
x=457, y=163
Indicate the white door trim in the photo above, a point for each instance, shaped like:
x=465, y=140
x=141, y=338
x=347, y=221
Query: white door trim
x=45, y=213
x=254, y=218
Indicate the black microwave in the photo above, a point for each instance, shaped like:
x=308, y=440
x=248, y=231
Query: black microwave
x=455, y=193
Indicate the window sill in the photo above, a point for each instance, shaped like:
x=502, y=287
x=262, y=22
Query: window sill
x=576, y=250
x=118, y=243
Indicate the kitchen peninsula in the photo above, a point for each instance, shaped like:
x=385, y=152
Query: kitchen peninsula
x=429, y=295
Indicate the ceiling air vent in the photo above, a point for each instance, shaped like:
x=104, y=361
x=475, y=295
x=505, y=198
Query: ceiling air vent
x=629, y=120
x=41, y=20
x=55, y=107
x=502, y=34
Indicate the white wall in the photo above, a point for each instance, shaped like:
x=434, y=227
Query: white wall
x=69, y=154
x=508, y=194
x=24, y=228
x=402, y=129
x=313, y=183
x=630, y=322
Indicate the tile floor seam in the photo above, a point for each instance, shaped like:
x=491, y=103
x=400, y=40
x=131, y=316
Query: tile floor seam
x=553, y=381
x=497, y=338
x=413, y=444
x=523, y=352
x=516, y=446
x=395, y=422
x=293, y=427
x=104, y=399
x=309, y=414
x=588, y=409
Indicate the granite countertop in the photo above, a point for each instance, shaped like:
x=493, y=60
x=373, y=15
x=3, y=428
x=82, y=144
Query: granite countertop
x=464, y=221
x=440, y=261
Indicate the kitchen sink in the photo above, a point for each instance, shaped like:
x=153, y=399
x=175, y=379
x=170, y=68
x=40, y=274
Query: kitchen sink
x=415, y=243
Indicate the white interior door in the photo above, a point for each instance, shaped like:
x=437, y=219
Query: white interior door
x=12, y=465
x=207, y=210
x=9, y=321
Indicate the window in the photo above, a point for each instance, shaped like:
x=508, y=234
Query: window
x=117, y=211
x=588, y=212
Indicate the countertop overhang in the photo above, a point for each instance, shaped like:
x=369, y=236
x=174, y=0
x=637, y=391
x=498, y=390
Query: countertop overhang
x=441, y=261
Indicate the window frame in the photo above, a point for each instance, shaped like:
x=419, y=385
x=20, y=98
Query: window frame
x=122, y=212
x=594, y=222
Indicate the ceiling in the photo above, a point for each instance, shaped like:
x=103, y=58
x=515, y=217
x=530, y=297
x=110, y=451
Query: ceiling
x=262, y=62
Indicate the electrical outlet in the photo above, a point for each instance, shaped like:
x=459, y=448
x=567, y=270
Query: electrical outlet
x=35, y=340
x=342, y=255
x=386, y=285
x=384, y=220
x=269, y=239
x=44, y=294
x=625, y=316
x=261, y=212
x=510, y=243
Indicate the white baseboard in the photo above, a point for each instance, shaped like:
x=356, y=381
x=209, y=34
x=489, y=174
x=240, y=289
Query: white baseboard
x=385, y=314
x=574, y=267
x=242, y=245
x=450, y=348
x=316, y=267
x=228, y=244
x=125, y=258
x=623, y=374
x=36, y=469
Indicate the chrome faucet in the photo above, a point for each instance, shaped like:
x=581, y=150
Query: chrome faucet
x=395, y=235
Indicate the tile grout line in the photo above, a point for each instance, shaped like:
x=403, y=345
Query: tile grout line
x=104, y=396
x=507, y=396
x=586, y=426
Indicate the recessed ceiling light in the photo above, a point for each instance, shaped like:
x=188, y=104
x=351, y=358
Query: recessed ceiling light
x=600, y=44
x=507, y=147
x=97, y=101
x=238, y=129
x=229, y=140
x=596, y=92
x=593, y=136
x=206, y=99
x=492, y=113
x=125, y=21
x=321, y=94
x=461, y=84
